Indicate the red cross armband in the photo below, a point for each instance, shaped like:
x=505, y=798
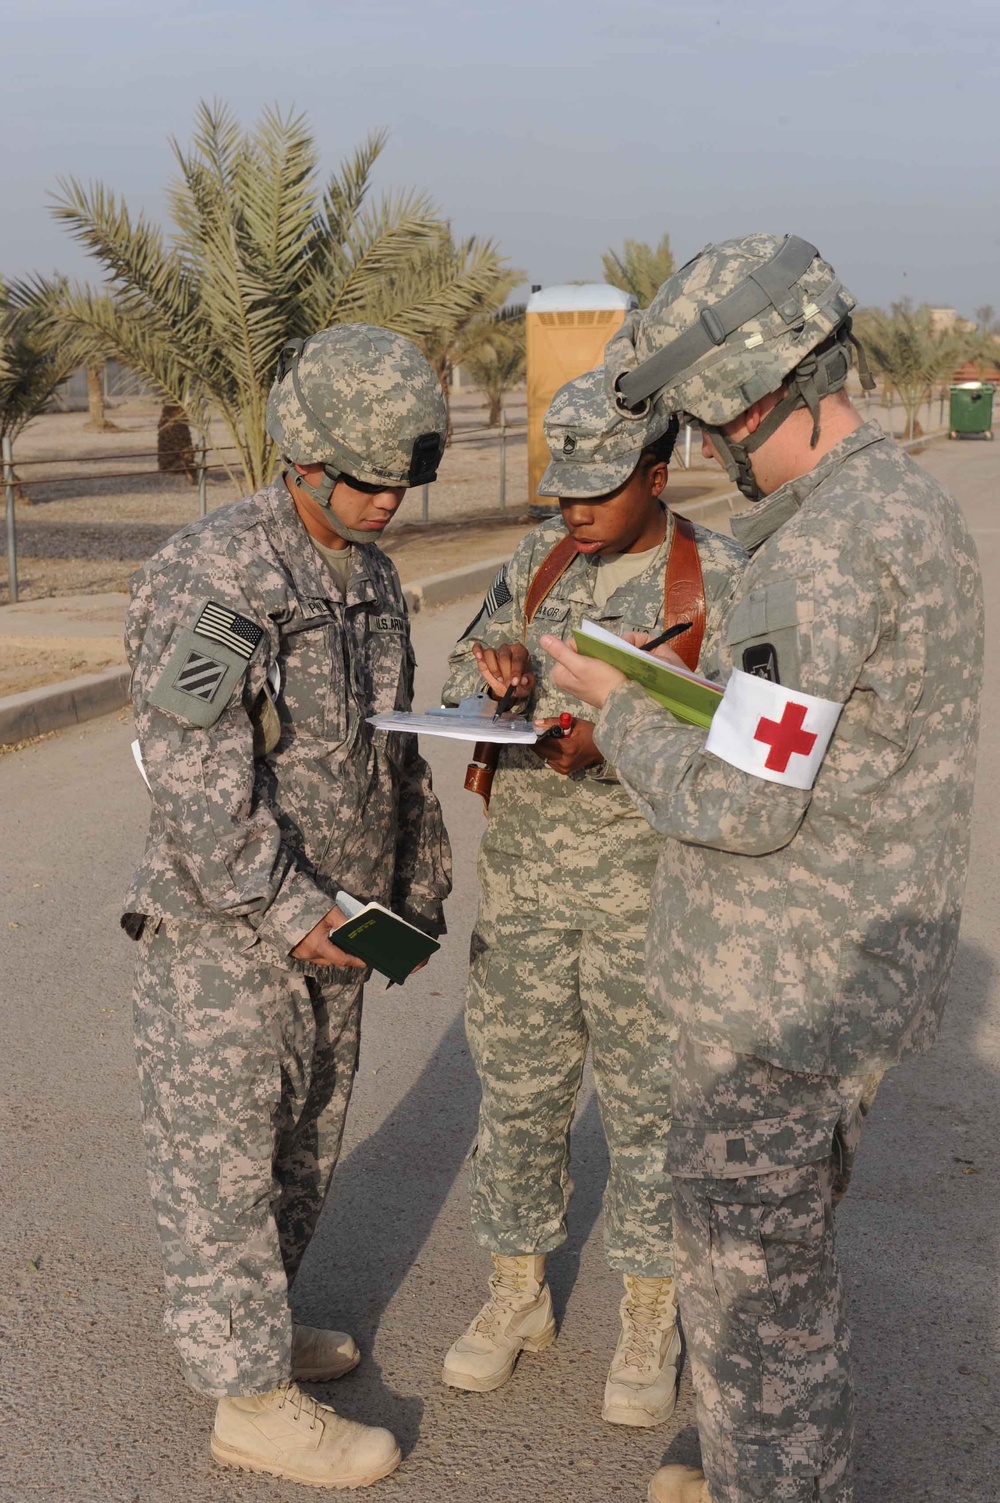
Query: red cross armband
x=772, y=732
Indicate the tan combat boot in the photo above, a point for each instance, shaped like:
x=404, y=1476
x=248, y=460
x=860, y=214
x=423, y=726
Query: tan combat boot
x=642, y=1383
x=678, y=1484
x=516, y=1318
x=287, y=1434
x=321, y=1356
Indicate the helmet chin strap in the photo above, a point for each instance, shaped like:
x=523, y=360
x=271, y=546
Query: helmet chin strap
x=822, y=372
x=322, y=494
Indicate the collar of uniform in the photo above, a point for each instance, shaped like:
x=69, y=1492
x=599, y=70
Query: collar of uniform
x=311, y=575
x=755, y=526
x=631, y=601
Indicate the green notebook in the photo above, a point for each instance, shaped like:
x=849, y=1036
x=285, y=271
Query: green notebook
x=690, y=697
x=380, y=937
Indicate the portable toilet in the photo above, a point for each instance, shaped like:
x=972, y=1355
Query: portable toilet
x=566, y=329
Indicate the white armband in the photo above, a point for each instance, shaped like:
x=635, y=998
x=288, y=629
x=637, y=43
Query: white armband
x=772, y=732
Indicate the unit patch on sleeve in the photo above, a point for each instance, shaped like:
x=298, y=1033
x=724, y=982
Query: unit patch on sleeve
x=762, y=661
x=206, y=662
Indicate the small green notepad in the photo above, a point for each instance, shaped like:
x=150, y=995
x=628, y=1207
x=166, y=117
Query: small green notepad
x=381, y=938
x=690, y=697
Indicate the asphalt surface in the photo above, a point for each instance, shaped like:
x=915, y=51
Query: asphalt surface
x=93, y=1407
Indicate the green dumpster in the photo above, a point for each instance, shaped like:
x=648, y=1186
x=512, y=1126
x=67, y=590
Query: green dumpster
x=971, y=410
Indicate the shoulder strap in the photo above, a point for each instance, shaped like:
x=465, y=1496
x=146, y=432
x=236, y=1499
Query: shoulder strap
x=684, y=592
x=547, y=576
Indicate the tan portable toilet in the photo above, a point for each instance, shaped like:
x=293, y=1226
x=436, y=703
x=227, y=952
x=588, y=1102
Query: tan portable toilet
x=566, y=329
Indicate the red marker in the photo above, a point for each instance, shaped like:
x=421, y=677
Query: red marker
x=556, y=732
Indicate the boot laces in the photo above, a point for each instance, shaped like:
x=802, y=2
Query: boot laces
x=304, y=1407
x=506, y=1283
x=643, y=1318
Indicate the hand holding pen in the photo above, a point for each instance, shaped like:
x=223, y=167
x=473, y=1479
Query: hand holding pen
x=507, y=672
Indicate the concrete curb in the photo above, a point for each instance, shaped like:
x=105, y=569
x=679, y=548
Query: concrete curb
x=36, y=712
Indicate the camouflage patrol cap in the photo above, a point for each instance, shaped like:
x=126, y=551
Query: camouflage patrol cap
x=361, y=400
x=727, y=328
x=594, y=445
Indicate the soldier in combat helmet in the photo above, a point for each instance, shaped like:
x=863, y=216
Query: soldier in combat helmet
x=806, y=906
x=260, y=639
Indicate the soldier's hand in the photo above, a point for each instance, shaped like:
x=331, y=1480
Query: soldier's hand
x=505, y=665
x=568, y=753
x=664, y=652
x=585, y=678
x=317, y=948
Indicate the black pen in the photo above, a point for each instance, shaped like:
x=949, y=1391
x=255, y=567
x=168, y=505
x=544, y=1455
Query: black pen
x=506, y=701
x=667, y=636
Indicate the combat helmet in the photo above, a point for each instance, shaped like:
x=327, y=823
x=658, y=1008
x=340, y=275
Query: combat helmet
x=595, y=445
x=361, y=401
x=737, y=321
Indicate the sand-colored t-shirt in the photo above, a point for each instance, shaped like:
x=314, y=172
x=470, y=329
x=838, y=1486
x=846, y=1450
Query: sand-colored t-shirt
x=618, y=568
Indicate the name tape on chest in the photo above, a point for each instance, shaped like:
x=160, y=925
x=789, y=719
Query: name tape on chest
x=772, y=732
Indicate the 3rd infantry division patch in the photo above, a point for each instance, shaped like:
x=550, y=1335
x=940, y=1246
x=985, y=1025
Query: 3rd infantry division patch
x=200, y=676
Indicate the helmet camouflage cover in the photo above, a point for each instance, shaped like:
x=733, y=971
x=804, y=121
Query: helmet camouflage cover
x=727, y=328
x=362, y=401
x=595, y=445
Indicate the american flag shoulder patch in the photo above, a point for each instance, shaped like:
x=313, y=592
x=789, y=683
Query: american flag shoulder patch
x=498, y=594
x=221, y=624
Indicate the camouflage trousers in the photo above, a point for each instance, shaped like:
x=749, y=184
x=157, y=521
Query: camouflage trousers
x=245, y=1073
x=759, y=1159
x=537, y=997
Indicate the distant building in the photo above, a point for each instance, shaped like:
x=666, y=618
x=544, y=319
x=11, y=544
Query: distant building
x=948, y=321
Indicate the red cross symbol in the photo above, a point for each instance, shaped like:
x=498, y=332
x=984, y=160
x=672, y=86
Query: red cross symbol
x=785, y=737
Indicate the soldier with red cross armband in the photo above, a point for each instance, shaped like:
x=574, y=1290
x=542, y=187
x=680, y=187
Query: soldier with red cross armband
x=805, y=910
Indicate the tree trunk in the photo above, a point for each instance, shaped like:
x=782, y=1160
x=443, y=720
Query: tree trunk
x=495, y=399
x=97, y=419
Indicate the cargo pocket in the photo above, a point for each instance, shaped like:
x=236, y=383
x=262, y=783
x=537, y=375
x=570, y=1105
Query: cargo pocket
x=762, y=1463
x=245, y=1142
x=739, y=1266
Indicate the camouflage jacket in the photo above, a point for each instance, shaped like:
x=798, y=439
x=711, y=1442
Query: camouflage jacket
x=577, y=842
x=252, y=677
x=816, y=929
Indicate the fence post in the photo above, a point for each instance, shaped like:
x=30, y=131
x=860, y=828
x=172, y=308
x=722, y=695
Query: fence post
x=202, y=477
x=687, y=446
x=425, y=503
x=8, y=481
x=941, y=414
x=503, y=460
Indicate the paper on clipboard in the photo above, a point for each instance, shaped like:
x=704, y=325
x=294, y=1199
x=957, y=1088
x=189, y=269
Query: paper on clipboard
x=455, y=726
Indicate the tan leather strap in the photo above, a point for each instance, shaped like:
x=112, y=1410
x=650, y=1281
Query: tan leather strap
x=684, y=592
x=548, y=574
x=481, y=771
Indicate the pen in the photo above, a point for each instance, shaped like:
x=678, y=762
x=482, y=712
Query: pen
x=668, y=635
x=506, y=701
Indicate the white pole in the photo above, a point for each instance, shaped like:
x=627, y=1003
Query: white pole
x=8, y=480
x=503, y=460
x=687, y=446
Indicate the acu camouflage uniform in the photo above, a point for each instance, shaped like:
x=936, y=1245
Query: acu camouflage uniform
x=565, y=869
x=253, y=673
x=801, y=941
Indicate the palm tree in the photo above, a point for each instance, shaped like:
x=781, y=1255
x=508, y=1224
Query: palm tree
x=905, y=347
x=639, y=268
x=447, y=341
x=34, y=359
x=259, y=253
x=496, y=361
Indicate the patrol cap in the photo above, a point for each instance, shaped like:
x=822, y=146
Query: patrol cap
x=594, y=445
x=363, y=401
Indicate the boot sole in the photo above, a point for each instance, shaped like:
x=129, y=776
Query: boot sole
x=311, y=1375
x=471, y=1384
x=641, y=1420
x=239, y=1461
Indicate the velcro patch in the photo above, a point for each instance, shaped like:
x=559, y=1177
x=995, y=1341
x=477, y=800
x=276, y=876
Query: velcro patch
x=388, y=623
x=200, y=676
x=227, y=626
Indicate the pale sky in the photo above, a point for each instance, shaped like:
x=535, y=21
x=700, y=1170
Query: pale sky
x=870, y=127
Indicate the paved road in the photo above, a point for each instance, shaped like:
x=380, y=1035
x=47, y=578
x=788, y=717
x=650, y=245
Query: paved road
x=95, y=1411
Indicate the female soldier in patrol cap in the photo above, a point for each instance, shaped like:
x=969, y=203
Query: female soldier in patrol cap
x=565, y=870
x=260, y=641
